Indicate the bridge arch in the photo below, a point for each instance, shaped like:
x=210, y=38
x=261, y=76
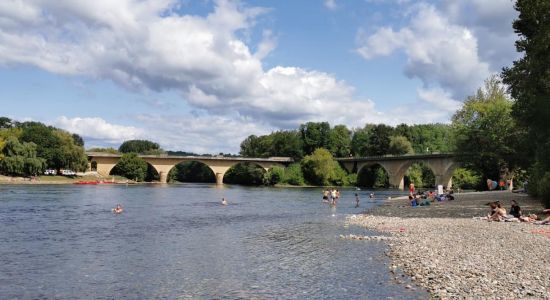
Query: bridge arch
x=373, y=175
x=184, y=170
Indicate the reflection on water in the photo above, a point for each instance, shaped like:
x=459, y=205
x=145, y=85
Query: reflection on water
x=179, y=242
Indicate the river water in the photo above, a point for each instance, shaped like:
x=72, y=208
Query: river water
x=178, y=242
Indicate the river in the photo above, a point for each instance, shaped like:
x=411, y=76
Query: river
x=178, y=242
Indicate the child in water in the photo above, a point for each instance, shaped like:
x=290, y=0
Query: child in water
x=118, y=209
x=224, y=202
x=356, y=200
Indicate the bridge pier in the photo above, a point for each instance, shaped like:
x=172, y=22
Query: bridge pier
x=397, y=181
x=219, y=178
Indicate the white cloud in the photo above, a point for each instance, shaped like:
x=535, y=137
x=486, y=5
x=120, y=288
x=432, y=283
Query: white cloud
x=330, y=4
x=438, y=52
x=143, y=45
x=99, y=129
x=439, y=99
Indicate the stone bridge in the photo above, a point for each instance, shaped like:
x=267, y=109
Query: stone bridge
x=103, y=163
x=442, y=165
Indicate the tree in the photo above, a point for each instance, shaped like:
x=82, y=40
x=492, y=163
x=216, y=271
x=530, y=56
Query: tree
x=486, y=133
x=140, y=147
x=360, y=140
x=6, y=122
x=20, y=159
x=400, y=145
x=56, y=146
x=286, y=144
x=245, y=174
x=314, y=135
x=529, y=84
x=379, y=140
x=320, y=168
x=293, y=175
x=340, y=141
x=131, y=166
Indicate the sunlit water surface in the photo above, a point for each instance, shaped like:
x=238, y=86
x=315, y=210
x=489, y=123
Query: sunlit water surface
x=178, y=242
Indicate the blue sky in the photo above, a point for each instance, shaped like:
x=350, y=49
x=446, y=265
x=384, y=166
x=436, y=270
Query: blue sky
x=202, y=75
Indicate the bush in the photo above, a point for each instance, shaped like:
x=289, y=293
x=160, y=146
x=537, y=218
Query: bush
x=466, y=179
x=131, y=166
x=293, y=175
x=274, y=175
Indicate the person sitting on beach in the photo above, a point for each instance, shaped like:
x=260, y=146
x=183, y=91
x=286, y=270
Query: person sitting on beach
x=118, y=209
x=224, y=202
x=515, y=210
x=497, y=212
x=413, y=201
x=529, y=219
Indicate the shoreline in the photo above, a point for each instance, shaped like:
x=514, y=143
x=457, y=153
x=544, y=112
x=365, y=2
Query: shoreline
x=454, y=256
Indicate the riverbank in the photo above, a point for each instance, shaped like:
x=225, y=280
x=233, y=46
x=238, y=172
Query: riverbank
x=454, y=256
x=56, y=179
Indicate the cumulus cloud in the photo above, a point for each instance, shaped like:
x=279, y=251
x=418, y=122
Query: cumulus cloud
x=439, y=52
x=99, y=129
x=199, y=134
x=439, y=99
x=146, y=45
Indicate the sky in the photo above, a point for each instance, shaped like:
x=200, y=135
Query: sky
x=202, y=75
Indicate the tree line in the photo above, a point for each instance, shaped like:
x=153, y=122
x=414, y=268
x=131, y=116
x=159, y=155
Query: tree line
x=28, y=148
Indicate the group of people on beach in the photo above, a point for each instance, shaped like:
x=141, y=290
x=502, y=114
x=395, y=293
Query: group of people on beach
x=331, y=196
x=425, y=198
x=498, y=213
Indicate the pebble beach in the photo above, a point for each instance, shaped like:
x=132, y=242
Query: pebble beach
x=454, y=256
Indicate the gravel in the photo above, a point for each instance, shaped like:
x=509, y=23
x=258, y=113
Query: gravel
x=456, y=258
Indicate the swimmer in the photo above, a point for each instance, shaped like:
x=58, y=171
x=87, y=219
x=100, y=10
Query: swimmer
x=371, y=195
x=118, y=209
x=224, y=202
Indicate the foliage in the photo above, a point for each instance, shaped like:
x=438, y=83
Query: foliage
x=275, y=175
x=54, y=145
x=293, y=175
x=486, y=134
x=360, y=140
x=192, y=171
x=529, y=84
x=467, y=179
x=421, y=175
x=373, y=177
x=339, y=142
x=20, y=159
x=280, y=143
x=104, y=150
x=140, y=147
x=400, y=145
x=315, y=135
x=428, y=138
x=245, y=174
x=131, y=166
x=379, y=140
x=320, y=168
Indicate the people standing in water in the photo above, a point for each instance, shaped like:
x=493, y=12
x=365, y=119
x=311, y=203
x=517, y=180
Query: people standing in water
x=333, y=197
x=326, y=194
x=224, y=202
x=356, y=200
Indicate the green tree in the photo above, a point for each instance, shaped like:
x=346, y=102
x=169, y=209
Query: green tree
x=106, y=150
x=486, y=133
x=20, y=159
x=131, y=166
x=320, y=168
x=339, y=142
x=245, y=174
x=529, y=84
x=467, y=179
x=56, y=146
x=399, y=145
x=379, y=140
x=315, y=135
x=360, y=140
x=286, y=144
x=373, y=177
x=293, y=175
x=140, y=147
